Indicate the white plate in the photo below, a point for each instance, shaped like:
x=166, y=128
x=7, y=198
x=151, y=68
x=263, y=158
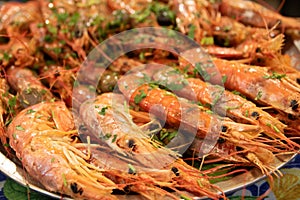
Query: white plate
x=18, y=174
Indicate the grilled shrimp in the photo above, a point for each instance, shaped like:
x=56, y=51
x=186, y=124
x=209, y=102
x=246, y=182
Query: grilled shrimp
x=16, y=17
x=118, y=130
x=41, y=135
x=256, y=83
x=194, y=17
x=255, y=14
x=172, y=109
x=130, y=144
x=236, y=107
x=29, y=88
x=50, y=150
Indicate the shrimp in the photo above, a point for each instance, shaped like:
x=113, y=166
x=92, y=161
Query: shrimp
x=255, y=14
x=256, y=83
x=236, y=107
x=30, y=89
x=17, y=17
x=172, y=109
x=194, y=17
x=40, y=135
x=77, y=169
x=136, y=147
x=223, y=36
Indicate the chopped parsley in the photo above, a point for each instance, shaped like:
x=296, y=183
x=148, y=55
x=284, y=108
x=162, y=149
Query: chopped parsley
x=139, y=97
x=224, y=79
x=12, y=103
x=20, y=128
x=238, y=93
x=132, y=170
x=199, y=68
x=114, y=138
x=64, y=180
x=207, y=41
x=103, y=110
x=191, y=33
x=274, y=75
x=258, y=96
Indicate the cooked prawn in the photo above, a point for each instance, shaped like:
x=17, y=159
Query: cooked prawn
x=256, y=83
x=222, y=101
x=255, y=14
x=137, y=148
x=40, y=135
x=29, y=88
x=172, y=109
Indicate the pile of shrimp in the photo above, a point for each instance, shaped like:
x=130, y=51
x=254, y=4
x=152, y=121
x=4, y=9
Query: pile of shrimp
x=126, y=135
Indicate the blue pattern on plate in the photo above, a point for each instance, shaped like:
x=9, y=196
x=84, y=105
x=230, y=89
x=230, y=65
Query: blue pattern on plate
x=2, y=197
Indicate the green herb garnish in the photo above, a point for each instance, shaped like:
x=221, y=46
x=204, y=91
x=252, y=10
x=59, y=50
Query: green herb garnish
x=207, y=41
x=103, y=110
x=139, y=97
x=274, y=75
x=20, y=128
x=258, y=96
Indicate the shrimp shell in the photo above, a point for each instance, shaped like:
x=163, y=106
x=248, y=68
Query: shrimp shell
x=40, y=143
x=255, y=82
x=255, y=14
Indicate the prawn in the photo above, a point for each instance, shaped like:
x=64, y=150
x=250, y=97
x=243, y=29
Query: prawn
x=50, y=150
x=255, y=82
x=172, y=108
x=236, y=107
x=194, y=17
x=254, y=14
x=29, y=88
x=40, y=136
x=136, y=148
x=16, y=17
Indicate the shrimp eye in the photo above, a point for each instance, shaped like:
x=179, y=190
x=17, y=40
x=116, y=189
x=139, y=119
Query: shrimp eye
x=294, y=104
x=298, y=80
x=258, y=50
x=221, y=140
x=175, y=171
x=78, y=33
x=56, y=73
x=291, y=117
x=127, y=189
x=164, y=18
x=75, y=189
x=224, y=128
x=239, y=148
x=131, y=143
x=255, y=114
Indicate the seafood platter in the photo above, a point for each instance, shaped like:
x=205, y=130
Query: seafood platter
x=166, y=99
